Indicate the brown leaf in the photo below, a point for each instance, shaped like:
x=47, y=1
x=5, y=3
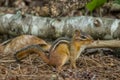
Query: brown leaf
x=23, y=41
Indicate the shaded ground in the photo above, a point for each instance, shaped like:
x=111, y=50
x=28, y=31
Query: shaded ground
x=90, y=67
x=56, y=8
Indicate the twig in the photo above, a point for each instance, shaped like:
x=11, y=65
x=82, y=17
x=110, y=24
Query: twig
x=7, y=61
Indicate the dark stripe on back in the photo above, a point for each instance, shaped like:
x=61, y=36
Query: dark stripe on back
x=58, y=41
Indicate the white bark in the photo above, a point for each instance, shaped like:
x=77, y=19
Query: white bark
x=16, y=24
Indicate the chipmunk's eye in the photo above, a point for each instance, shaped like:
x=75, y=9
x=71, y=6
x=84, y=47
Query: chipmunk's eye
x=84, y=37
x=42, y=45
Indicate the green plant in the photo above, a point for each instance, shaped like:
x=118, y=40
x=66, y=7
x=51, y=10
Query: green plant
x=95, y=4
x=117, y=1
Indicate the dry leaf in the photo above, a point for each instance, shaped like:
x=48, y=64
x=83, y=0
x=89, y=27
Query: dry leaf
x=23, y=41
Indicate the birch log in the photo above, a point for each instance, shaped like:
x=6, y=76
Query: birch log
x=98, y=28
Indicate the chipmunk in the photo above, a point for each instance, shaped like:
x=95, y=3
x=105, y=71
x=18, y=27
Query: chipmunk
x=58, y=54
x=78, y=42
x=62, y=50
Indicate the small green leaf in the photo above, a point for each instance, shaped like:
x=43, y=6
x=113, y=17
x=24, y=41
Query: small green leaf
x=95, y=4
x=117, y=1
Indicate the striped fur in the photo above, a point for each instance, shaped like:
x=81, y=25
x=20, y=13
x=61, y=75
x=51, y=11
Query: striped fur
x=59, y=41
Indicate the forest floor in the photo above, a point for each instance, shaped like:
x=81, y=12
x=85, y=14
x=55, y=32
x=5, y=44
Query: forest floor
x=96, y=66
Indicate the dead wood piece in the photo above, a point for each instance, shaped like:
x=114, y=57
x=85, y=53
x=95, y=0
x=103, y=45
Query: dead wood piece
x=105, y=44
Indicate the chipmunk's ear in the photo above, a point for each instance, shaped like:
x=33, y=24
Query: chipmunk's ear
x=77, y=32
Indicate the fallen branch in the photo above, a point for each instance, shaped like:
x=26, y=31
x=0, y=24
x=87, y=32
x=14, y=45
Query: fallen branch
x=104, y=44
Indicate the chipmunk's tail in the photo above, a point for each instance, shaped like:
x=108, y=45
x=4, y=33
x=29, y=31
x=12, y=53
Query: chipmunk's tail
x=24, y=52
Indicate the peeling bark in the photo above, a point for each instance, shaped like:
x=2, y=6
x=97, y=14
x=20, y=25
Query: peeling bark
x=98, y=28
